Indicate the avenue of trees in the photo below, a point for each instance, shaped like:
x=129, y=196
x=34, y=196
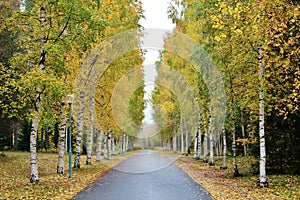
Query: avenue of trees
x=43, y=45
x=255, y=46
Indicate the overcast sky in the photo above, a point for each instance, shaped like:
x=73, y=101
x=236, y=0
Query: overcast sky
x=155, y=12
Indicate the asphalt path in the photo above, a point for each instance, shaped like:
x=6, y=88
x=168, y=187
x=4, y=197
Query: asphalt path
x=145, y=176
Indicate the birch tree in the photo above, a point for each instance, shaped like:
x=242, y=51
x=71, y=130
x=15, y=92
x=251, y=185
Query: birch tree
x=61, y=140
x=195, y=137
x=99, y=144
x=174, y=141
x=91, y=132
x=105, y=144
x=262, y=145
x=224, y=165
x=35, y=121
x=205, y=147
x=181, y=136
x=211, y=140
x=113, y=145
x=79, y=130
x=200, y=135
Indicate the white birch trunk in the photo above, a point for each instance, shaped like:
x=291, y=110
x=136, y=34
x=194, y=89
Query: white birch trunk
x=200, y=136
x=205, y=148
x=224, y=166
x=34, y=177
x=195, y=138
x=61, y=141
x=80, y=130
x=181, y=136
x=174, y=141
x=236, y=171
x=123, y=142
x=108, y=145
x=113, y=146
x=186, y=139
x=91, y=133
x=127, y=142
x=262, y=163
x=99, y=142
x=243, y=131
x=211, y=139
x=105, y=146
x=35, y=122
x=15, y=135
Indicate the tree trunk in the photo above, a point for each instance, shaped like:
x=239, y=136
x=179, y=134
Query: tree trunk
x=200, y=136
x=80, y=130
x=91, y=133
x=181, y=137
x=262, y=163
x=211, y=139
x=108, y=145
x=186, y=139
x=99, y=141
x=15, y=134
x=33, y=151
x=105, y=146
x=174, y=141
x=35, y=122
x=224, y=166
x=195, y=138
x=243, y=130
x=84, y=139
x=205, y=148
x=113, y=145
x=127, y=142
x=123, y=142
x=61, y=140
x=236, y=170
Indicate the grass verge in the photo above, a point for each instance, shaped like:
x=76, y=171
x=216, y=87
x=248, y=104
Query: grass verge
x=15, y=172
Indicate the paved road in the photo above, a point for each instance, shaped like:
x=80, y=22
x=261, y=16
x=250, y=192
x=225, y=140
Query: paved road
x=144, y=176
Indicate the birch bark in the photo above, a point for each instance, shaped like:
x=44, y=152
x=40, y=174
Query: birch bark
x=79, y=131
x=108, y=145
x=205, y=148
x=113, y=145
x=236, y=170
x=35, y=122
x=105, y=147
x=224, y=166
x=61, y=141
x=181, y=136
x=262, y=163
x=34, y=177
x=174, y=141
x=186, y=140
x=200, y=136
x=243, y=130
x=195, y=138
x=211, y=140
x=91, y=132
x=99, y=142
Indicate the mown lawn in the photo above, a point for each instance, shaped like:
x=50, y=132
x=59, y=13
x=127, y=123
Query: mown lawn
x=15, y=173
x=221, y=184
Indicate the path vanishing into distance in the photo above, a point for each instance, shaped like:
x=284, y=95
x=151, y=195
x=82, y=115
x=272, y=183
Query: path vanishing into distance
x=145, y=176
